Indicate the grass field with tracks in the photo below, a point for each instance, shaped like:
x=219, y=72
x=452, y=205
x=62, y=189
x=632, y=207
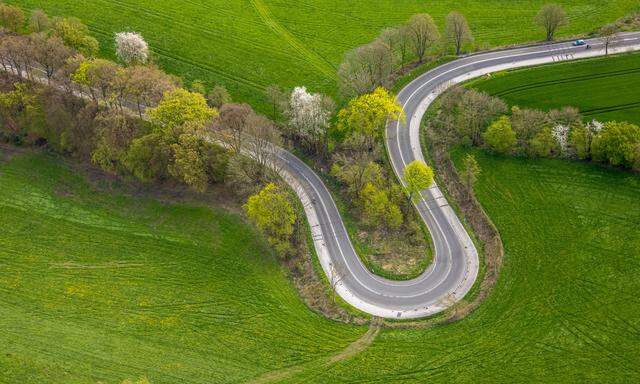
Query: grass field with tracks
x=249, y=44
x=100, y=286
x=603, y=88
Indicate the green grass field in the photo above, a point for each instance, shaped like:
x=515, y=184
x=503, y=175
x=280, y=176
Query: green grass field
x=249, y=44
x=603, y=88
x=99, y=287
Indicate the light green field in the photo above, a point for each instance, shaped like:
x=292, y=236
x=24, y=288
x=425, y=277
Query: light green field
x=99, y=287
x=249, y=44
x=603, y=89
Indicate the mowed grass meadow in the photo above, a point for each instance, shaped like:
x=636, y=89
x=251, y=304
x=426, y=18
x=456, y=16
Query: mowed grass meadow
x=248, y=45
x=603, y=89
x=99, y=287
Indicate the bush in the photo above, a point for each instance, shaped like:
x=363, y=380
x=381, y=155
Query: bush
x=500, y=137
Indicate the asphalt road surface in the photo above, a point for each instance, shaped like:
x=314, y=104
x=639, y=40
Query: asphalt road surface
x=455, y=267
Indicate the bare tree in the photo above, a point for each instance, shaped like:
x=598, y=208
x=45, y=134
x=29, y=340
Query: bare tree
x=16, y=53
x=457, y=31
x=262, y=139
x=551, y=17
x=609, y=34
x=50, y=53
x=423, y=32
x=278, y=98
x=366, y=68
x=39, y=21
x=232, y=124
x=145, y=85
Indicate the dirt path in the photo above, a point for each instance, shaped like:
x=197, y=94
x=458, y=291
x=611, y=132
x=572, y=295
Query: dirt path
x=351, y=350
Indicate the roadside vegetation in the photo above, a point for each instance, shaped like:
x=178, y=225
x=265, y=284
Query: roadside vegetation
x=604, y=89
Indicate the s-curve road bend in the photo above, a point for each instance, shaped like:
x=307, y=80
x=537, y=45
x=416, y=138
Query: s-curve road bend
x=455, y=266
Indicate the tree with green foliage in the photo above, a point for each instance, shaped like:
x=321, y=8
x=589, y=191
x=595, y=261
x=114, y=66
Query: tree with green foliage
x=148, y=157
x=617, y=144
x=76, y=35
x=500, y=137
x=418, y=176
x=543, y=143
x=368, y=115
x=272, y=212
x=196, y=162
x=378, y=210
x=551, y=17
x=356, y=174
x=470, y=173
x=178, y=107
x=11, y=17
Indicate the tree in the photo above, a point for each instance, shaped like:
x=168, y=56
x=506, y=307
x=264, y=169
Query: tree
x=309, y=116
x=500, y=137
x=581, y=137
x=262, y=140
x=218, y=96
x=16, y=54
x=418, y=176
x=39, y=21
x=11, y=17
x=368, y=115
x=148, y=157
x=457, y=31
x=131, y=48
x=50, y=53
x=97, y=75
x=366, y=68
x=543, y=143
x=617, y=144
x=356, y=172
x=551, y=17
x=232, y=124
x=609, y=34
x=470, y=172
x=273, y=214
x=278, y=98
x=75, y=35
x=145, y=85
x=178, y=107
x=378, y=210
x=423, y=32
x=197, y=162
x=527, y=123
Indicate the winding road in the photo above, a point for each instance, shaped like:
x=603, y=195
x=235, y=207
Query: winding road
x=455, y=266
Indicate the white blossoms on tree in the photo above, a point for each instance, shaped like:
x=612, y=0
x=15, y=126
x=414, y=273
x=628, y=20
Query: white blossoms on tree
x=131, y=48
x=561, y=134
x=309, y=114
x=594, y=126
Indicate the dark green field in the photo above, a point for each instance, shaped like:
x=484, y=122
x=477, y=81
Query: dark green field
x=249, y=44
x=100, y=287
x=603, y=89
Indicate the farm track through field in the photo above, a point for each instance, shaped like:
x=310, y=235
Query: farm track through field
x=613, y=108
x=312, y=57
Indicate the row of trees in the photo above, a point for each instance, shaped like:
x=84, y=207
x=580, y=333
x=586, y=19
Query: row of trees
x=475, y=118
x=372, y=65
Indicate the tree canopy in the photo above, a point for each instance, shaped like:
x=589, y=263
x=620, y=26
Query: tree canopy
x=418, y=176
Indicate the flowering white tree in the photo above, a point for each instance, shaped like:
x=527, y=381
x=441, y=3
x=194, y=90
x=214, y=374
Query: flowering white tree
x=131, y=48
x=309, y=115
x=561, y=134
x=594, y=126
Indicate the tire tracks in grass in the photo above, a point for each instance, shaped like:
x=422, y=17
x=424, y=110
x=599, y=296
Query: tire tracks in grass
x=312, y=57
x=321, y=365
